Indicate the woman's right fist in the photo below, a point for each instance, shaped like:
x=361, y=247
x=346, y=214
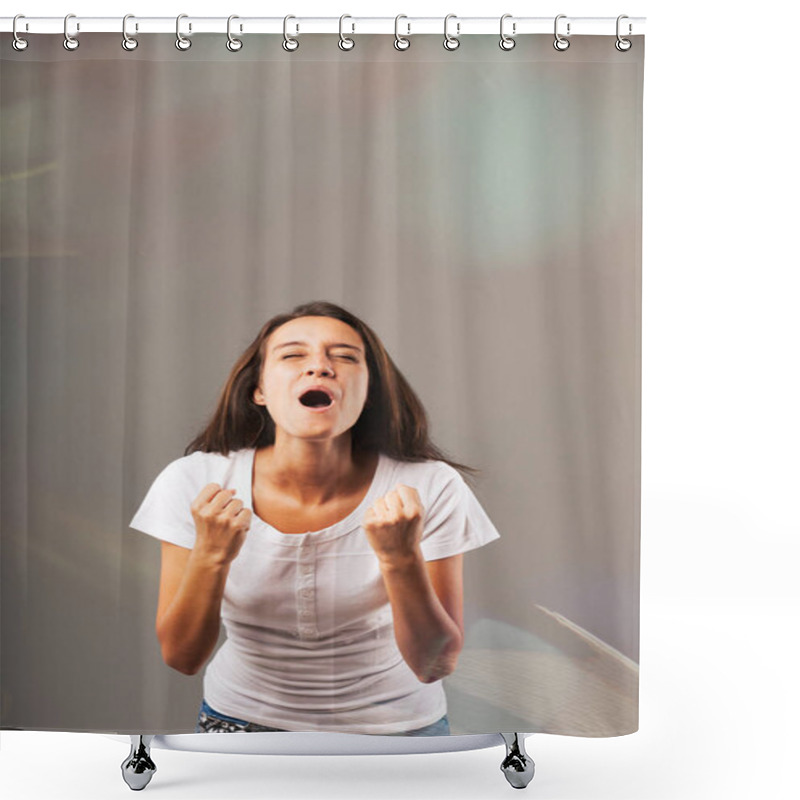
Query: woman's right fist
x=221, y=523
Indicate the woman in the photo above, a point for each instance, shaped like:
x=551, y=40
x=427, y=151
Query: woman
x=316, y=520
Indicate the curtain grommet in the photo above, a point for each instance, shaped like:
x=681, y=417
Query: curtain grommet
x=401, y=42
x=70, y=42
x=18, y=43
x=290, y=43
x=181, y=41
x=507, y=42
x=451, y=42
x=233, y=44
x=128, y=42
x=560, y=43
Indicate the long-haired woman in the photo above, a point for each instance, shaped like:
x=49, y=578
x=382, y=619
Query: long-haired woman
x=315, y=520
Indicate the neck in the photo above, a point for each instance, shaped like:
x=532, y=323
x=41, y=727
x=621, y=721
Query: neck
x=313, y=473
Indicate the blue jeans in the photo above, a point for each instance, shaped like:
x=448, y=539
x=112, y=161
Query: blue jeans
x=211, y=721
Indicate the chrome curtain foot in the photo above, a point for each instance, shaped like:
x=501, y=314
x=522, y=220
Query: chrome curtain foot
x=138, y=768
x=517, y=766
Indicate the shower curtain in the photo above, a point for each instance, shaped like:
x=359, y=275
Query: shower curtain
x=479, y=210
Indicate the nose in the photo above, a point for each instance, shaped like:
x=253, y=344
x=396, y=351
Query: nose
x=320, y=365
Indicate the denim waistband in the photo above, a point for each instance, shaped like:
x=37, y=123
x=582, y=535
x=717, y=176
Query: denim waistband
x=210, y=720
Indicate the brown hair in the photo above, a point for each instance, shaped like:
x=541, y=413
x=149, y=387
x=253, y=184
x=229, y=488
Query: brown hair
x=393, y=420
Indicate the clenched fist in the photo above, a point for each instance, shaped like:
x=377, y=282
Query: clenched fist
x=393, y=524
x=221, y=523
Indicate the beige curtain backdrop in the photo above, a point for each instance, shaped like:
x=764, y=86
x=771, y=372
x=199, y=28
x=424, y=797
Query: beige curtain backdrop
x=480, y=209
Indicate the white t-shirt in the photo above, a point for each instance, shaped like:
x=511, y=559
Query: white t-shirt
x=310, y=640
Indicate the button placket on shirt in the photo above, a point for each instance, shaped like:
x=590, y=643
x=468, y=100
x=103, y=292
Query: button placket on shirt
x=306, y=604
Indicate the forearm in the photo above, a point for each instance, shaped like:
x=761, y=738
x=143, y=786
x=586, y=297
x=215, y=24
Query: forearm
x=427, y=637
x=189, y=629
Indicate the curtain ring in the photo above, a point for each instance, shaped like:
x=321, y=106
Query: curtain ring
x=181, y=42
x=401, y=42
x=70, y=42
x=290, y=43
x=560, y=42
x=623, y=45
x=128, y=42
x=18, y=43
x=451, y=42
x=344, y=42
x=233, y=44
x=507, y=42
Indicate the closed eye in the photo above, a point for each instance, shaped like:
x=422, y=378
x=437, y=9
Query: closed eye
x=298, y=355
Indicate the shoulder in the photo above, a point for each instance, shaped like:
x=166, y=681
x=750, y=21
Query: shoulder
x=198, y=468
x=165, y=511
x=430, y=478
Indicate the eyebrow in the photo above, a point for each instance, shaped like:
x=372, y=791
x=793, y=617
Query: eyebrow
x=339, y=344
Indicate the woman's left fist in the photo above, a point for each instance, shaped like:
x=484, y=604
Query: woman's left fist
x=393, y=524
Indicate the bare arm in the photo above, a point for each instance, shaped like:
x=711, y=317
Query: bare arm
x=426, y=597
x=426, y=600
x=193, y=581
x=189, y=601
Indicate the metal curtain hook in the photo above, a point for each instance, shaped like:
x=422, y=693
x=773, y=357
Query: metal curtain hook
x=344, y=42
x=128, y=42
x=181, y=42
x=507, y=42
x=560, y=42
x=290, y=43
x=401, y=42
x=70, y=42
x=623, y=45
x=18, y=43
x=451, y=42
x=233, y=44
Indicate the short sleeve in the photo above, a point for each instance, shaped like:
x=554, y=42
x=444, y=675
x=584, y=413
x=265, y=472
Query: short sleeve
x=165, y=512
x=455, y=522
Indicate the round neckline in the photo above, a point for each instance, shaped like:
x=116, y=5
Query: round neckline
x=244, y=486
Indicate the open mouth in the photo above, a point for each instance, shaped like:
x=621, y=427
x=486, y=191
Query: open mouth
x=314, y=398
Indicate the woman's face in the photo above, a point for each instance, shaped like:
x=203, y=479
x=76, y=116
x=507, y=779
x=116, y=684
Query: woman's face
x=314, y=352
